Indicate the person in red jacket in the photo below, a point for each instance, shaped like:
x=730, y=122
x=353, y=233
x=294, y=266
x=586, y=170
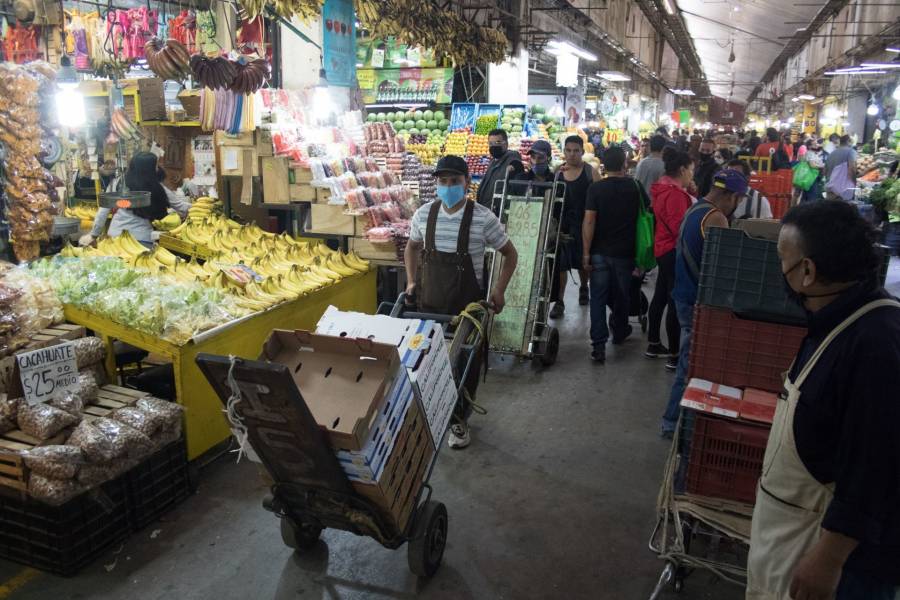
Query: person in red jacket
x=670, y=200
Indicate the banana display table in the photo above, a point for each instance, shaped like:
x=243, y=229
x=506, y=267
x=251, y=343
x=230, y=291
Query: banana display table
x=205, y=425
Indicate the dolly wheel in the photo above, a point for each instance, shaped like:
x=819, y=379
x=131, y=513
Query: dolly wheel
x=300, y=537
x=426, y=547
x=548, y=350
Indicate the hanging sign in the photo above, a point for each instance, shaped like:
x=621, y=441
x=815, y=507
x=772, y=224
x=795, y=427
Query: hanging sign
x=339, y=42
x=383, y=86
x=46, y=373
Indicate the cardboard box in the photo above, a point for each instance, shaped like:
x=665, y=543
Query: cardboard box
x=302, y=192
x=274, y=171
x=370, y=251
x=330, y=218
x=766, y=229
x=710, y=397
x=244, y=140
x=422, y=350
x=757, y=405
x=367, y=465
x=403, y=475
x=151, y=92
x=344, y=381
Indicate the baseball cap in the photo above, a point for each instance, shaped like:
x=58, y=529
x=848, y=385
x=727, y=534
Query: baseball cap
x=451, y=164
x=731, y=180
x=542, y=146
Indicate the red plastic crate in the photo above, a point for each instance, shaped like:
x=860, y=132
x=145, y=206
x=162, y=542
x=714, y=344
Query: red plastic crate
x=780, y=204
x=726, y=458
x=739, y=352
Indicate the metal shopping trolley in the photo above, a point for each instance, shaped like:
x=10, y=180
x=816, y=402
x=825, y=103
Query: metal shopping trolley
x=310, y=490
x=531, y=212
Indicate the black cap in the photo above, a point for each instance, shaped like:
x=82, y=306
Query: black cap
x=451, y=164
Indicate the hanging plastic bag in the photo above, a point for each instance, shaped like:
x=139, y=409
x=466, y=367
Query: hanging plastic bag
x=644, y=258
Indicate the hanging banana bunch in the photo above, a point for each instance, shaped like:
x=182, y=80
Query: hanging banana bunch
x=422, y=23
x=303, y=9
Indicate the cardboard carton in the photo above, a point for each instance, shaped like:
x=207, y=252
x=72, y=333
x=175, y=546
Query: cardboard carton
x=422, y=350
x=344, y=381
x=766, y=229
x=710, y=397
x=758, y=405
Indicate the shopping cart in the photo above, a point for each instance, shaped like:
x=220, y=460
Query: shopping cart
x=310, y=491
x=530, y=212
x=696, y=532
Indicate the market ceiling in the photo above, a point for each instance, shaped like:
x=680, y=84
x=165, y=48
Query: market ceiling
x=757, y=30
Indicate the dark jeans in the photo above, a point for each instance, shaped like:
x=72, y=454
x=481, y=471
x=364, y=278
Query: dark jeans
x=662, y=298
x=686, y=319
x=610, y=278
x=856, y=586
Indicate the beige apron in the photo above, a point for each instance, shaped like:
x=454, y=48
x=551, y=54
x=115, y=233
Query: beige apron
x=790, y=503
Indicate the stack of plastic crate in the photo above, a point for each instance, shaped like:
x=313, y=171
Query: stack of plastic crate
x=746, y=333
x=778, y=187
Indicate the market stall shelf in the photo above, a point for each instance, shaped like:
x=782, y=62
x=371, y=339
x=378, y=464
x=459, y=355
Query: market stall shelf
x=205, y=426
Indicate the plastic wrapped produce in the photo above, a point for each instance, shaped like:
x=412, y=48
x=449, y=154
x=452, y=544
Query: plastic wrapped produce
x=52, y=491
x=43, y=421
x=96, y=447
x=126, y=440
x=54, y=462
x=27, y=305
x=147, y=423
x=91, y=475
x=169, y=411
x=74, y=400
x=89, y=351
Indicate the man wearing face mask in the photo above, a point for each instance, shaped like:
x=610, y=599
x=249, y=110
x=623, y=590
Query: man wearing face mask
x=706, y=167
x=503, y=161
x=729, y=187
x=826, y=524
x=444, y=259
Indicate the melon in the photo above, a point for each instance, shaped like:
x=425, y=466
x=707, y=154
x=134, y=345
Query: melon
x=418, y=114
x=537, y=109
x=431, y=124
x=428, y=115
x=413, y=131
x=445, y=123
x=439, y=115
x=379, y=117
x=409, y=124
x=371, y=117
x=421, y=124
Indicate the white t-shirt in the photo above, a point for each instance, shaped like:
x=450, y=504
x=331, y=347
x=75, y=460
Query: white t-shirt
x=486, y=232
x=755, y=200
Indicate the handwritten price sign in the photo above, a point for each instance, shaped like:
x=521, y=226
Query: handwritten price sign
x=47, y=373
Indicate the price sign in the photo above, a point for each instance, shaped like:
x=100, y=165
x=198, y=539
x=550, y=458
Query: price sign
x=47, y=373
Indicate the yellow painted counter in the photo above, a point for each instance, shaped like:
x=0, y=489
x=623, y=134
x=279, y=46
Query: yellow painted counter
x=205, y=424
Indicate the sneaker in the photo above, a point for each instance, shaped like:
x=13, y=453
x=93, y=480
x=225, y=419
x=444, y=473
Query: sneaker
x=459, y=436
x=558, y=309
x=672, y=363
x=628, y=330
x=583, y=295
x=657, y=350
x=599, y=356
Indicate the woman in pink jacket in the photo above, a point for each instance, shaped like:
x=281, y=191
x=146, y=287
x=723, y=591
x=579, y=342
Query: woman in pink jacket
x=670, y=201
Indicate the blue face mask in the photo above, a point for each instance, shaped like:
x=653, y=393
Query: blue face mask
x=451, y=195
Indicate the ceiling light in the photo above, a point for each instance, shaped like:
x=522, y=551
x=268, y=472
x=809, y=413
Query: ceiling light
x=881, y=65
x=736, y=8
x=799, y=29
x=896, y=94
x=855, y=72
x=668, y=6
x=806, y=97
x=893, y=50
x=795, y=99
x=792, y=120
x=557, y=48
x=679, y=92
x=614, y=76
x=873, y=109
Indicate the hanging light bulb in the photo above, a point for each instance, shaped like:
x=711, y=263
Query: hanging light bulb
x=873, y=109
x=896, y=94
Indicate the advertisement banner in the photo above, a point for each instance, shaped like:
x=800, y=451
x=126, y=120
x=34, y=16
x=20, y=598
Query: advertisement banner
x=381, y=86
x=339, y=42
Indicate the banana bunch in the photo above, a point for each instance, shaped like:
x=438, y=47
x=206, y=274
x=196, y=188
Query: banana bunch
x=122, y=126
x=167, y=223
x=85, y=212
x=419, y=23
x=304, y=9
x=203, y=207
x=169, y=59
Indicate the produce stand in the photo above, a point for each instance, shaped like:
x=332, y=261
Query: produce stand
x=204, y=424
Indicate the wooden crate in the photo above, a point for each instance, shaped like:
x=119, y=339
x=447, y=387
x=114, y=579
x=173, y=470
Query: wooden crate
x=299, y=174
x=276, y=187
x=14, y=473
x=302, y=192
x=330, y=219
x=323, y=195
x=366, y=249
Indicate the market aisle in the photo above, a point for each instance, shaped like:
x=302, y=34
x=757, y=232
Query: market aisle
x=554, y=499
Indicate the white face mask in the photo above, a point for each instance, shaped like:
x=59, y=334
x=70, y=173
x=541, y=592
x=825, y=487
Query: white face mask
x=829, y=147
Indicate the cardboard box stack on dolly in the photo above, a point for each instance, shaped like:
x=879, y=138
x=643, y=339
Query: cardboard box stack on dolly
x=746, y=333
x=348, y=421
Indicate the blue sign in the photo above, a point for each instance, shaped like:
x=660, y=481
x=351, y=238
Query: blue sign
x=339, y=42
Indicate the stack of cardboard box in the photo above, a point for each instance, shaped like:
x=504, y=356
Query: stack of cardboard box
x=383, y=390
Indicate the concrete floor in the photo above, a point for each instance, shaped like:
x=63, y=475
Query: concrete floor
x=555, y=498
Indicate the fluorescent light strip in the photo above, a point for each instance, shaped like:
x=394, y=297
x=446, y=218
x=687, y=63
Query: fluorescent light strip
x=881, y=65
x=806, y=97
x=893, y=50
x=867, y=72
x=557, y=48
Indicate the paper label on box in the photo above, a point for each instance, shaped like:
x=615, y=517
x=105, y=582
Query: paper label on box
x=229, y=159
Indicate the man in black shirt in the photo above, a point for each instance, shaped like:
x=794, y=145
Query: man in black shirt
x=706, y=167
x=608, y=238
x=826, y=524
x=503, y=162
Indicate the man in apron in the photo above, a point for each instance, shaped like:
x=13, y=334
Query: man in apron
x=444, y=258
x=826, y=524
